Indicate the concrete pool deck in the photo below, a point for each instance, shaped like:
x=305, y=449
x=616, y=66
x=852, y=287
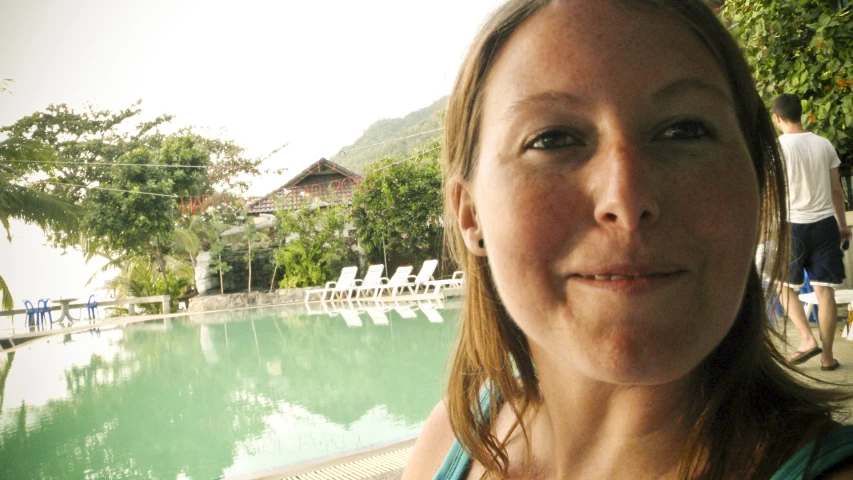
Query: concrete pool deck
x=384, y=462
x=10, y=340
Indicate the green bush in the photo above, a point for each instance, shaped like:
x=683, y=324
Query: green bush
x=804, y=47
x=140, y=277
x=398, y=207
x=318, y=244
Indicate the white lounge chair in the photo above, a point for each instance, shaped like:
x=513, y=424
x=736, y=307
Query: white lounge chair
x=455, y=281
x=424, y=276
x=372, y=280
x=397, y=282
x=842, y=297
x=344, y=284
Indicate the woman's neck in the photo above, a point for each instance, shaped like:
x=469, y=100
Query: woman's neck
x=589, y=429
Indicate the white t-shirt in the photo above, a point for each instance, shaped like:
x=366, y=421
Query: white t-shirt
x=808, y=161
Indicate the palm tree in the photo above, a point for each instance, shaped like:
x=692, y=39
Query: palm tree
x=186, y=241
x=22, y=202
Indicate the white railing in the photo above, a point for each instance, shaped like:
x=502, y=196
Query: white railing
x=130, y=302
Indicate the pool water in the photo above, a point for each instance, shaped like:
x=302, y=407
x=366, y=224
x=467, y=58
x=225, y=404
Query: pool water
x=220, y=394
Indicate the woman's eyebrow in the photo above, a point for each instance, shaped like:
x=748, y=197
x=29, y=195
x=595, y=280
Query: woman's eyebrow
x=691, y=85
x=546, y=97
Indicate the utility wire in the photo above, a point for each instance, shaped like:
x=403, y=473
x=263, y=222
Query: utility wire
x=113, y=189
x=155, y=165
x=407, y=158
x=421, y=154
x=391, y=140
x=81, y=164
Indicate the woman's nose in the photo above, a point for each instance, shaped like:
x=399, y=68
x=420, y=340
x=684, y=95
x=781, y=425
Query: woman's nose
x=625, y=189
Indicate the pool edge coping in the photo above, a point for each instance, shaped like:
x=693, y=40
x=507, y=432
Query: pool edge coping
x=310, y=466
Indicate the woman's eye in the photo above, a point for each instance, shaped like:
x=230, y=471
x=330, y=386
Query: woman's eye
x=550, y=140
x=685, y=130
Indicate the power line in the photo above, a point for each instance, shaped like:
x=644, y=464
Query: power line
x=83, y=164
x=391, y=140
x=113, y=189
x=156, y=165
x=421, y=154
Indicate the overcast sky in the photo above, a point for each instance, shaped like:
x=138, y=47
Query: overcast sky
x=312, y=74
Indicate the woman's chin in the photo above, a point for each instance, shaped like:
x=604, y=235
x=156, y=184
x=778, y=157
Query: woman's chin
x=637, y=359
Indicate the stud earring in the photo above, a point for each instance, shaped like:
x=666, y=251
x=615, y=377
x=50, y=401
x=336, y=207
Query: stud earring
x=481, y=243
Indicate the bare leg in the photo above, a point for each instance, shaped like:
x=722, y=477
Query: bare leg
x=828, y=319
x=795, y=311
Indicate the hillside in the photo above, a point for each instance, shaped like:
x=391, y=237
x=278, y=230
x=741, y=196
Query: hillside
x=365, y=150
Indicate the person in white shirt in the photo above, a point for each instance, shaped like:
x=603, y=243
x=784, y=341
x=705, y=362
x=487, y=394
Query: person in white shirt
x=818, y=228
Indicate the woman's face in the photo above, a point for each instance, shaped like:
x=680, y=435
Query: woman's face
x=614, y=192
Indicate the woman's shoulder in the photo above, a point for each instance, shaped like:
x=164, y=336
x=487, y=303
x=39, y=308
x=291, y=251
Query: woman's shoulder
x=432, y=446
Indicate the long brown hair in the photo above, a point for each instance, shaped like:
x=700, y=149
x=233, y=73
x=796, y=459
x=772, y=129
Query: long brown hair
x=767, y=412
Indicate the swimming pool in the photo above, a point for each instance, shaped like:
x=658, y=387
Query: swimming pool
x=220, y=394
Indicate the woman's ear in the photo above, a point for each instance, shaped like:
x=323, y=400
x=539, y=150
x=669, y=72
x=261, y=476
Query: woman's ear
x=465, y=212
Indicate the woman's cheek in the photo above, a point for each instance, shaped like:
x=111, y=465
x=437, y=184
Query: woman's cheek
x=536, y=210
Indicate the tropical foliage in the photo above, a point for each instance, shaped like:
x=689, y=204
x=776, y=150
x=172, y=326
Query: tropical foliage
x=804, y=47
x=254, y=239
x=139, y=277
x=128, y=179
x=125, y=179
x=397, y=208
x=18, y=201
x=317, y=244
x=217, y=247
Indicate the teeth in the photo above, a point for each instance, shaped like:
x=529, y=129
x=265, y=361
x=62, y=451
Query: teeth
x=611, y=277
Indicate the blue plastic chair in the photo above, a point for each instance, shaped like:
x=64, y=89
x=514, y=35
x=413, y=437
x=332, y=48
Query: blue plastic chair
x=807, y=288
x=32, y=313
x=92, y=307
x=43, y=309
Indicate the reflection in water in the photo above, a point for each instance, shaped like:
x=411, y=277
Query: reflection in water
x=220, y=394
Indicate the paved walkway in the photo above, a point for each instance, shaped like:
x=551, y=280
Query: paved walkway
x=842, y=350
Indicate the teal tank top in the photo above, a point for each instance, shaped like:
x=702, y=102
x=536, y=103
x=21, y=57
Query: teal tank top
x=836, y=447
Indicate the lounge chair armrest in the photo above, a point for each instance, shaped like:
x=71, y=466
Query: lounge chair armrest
x=330, y=284
x=458, y=274
x=357, y=282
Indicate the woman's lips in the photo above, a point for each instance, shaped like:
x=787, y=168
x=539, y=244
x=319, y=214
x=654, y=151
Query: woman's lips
x=629, y=283
x=615, y=277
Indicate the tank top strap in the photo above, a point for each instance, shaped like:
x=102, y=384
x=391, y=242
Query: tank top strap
x=833, y=449
x=458, y=462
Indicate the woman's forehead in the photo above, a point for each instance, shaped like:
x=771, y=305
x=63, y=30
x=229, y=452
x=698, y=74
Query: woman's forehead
x=602, y=44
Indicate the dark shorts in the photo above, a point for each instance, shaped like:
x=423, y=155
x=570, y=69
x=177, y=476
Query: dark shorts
x=816, y=248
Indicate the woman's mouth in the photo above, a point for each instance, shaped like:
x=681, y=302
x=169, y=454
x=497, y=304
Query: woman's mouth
x=630, y=283
x=625, y=277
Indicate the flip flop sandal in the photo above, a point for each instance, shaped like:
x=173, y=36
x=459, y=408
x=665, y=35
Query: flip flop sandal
x=834, y=366
x=802, y=357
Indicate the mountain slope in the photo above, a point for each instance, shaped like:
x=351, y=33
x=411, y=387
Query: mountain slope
x=371, y=147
